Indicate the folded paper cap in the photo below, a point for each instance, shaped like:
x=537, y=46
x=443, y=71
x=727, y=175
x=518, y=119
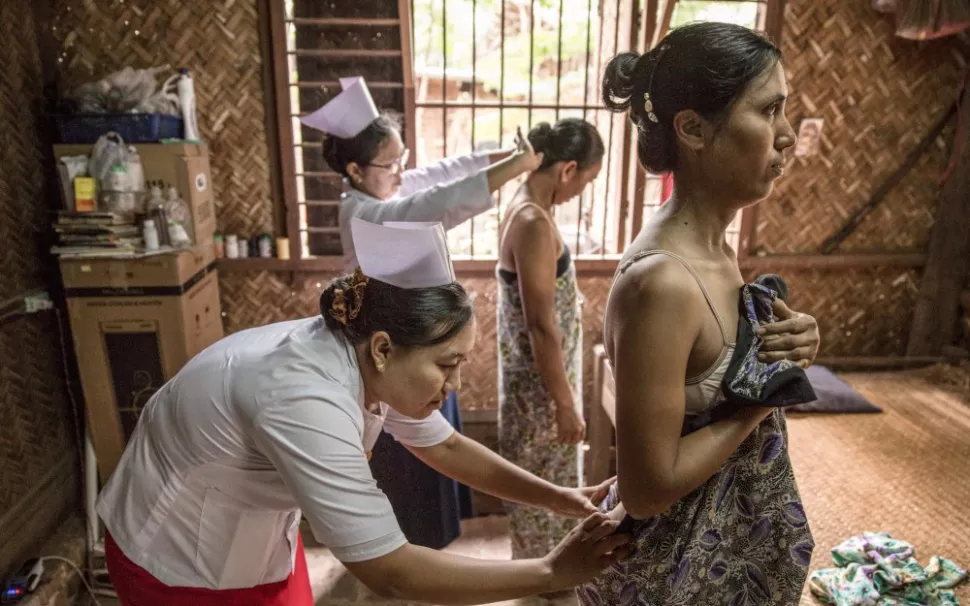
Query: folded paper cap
x=347, y=114
x=406, y=255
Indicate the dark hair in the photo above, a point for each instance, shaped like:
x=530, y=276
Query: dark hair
x=412, y=317
x=569, y=140
x=702, y=66
x=361, y=148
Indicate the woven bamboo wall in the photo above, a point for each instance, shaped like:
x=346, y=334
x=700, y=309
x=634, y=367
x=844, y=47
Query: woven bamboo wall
x=219, y=42
x=879, y=96
x=36, y=423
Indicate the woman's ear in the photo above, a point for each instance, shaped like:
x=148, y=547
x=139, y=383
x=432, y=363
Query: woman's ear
x=691, y=129
x=567, y=171
x=355, y=172
x=380, y=350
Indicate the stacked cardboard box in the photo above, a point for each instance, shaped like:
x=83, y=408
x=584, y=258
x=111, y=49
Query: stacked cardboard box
x=137, y=321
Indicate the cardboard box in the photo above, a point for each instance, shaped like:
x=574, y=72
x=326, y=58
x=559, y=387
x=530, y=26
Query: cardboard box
x=182, y=165
x=135, y=324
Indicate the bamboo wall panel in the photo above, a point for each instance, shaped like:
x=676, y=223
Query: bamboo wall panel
x=879, y=96
x=36, y=423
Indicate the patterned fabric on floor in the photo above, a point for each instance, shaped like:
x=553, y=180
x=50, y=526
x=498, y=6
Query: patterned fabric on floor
x=875, y=569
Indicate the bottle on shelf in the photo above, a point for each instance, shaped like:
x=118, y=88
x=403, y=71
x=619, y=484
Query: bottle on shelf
x=179, y=219
x=150, y=234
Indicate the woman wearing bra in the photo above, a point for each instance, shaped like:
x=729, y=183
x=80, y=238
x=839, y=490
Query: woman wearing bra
x=716, y=514
x=540, y=328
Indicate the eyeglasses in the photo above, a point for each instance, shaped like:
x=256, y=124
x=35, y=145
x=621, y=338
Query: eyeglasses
x=395, y=167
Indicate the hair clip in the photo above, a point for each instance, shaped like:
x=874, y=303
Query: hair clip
x=648, y=107
x=338, y=309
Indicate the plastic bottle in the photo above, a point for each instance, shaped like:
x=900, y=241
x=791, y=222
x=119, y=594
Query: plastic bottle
x=179, y=219
x=232, y=246
x=186, y=91
x=136, y=174
x=150, y=234
x=155, y=209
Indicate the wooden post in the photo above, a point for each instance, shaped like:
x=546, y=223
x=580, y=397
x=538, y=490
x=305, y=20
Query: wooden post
x=935, y=316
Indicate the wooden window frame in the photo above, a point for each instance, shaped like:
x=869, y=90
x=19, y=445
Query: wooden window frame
x=629, y=211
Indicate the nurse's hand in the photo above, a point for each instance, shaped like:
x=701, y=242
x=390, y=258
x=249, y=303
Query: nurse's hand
x=793, y=337
x=586, y=551
x=526, y=157
x=580, y=502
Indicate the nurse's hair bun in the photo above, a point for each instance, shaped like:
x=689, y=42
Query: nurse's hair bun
x=356, y=307
x=362, y=148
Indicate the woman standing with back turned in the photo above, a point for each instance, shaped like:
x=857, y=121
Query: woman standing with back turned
x=716, y=514
x=540, y=328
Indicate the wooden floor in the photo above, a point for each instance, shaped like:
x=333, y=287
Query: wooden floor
x=904, y=471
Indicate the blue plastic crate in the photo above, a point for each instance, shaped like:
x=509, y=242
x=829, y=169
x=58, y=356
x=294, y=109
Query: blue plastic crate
x=133, y=128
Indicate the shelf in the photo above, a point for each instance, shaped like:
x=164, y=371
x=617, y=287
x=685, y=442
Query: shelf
x=344, y=21
x=335, y=84
x=317, y=264
x=348, y=53
x=599, y=266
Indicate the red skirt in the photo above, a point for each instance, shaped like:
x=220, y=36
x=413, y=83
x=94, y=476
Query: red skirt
x=135, y=586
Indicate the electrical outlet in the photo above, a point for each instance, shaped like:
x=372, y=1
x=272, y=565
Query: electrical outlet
x=38, y=302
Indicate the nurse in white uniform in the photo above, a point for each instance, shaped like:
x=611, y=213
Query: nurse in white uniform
x=274, y=423
x=365, y=147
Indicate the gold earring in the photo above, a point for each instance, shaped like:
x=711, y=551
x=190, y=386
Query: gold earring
x=380, y=367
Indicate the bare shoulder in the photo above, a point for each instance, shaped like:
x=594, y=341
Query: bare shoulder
x=530, y=225
x=654, y=289
x=651, y=281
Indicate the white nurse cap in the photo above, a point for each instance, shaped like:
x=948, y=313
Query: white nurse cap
x=406, y=255
x=346, y=114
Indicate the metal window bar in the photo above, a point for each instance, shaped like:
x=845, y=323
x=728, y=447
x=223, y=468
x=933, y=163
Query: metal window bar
x=587, y=219
x=591, y=190
x=532, y=50
x=501, y=96
x=559, y=61
x=609, y=158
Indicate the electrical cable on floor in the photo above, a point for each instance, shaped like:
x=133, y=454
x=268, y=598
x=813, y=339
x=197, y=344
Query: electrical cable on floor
x=94, y=597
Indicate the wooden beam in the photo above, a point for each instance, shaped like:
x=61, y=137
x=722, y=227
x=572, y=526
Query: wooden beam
x=935, y=317
x=628, y=158
x=407, y=76
x=887, y=186
x=877, y=362
x=276, y=175
x=284, y=131
x=843, y=261
x=665, y=23
x=775, y=20
x=596, y=266
x=647, y=31
x=747, y=232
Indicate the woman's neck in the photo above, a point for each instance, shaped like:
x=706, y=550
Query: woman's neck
x=362, y=190
x=542, y=190
x=368, y=376
x=703, y=214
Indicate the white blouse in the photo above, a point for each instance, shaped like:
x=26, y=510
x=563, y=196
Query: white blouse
x=451, y=191
x=261, y=426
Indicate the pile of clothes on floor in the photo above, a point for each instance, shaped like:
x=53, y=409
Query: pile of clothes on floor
x=874, y=569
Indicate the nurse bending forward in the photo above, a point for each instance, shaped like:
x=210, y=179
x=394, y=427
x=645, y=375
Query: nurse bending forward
x=276, y=422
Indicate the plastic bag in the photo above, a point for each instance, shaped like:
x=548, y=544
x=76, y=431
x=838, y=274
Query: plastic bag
x=127, y=90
